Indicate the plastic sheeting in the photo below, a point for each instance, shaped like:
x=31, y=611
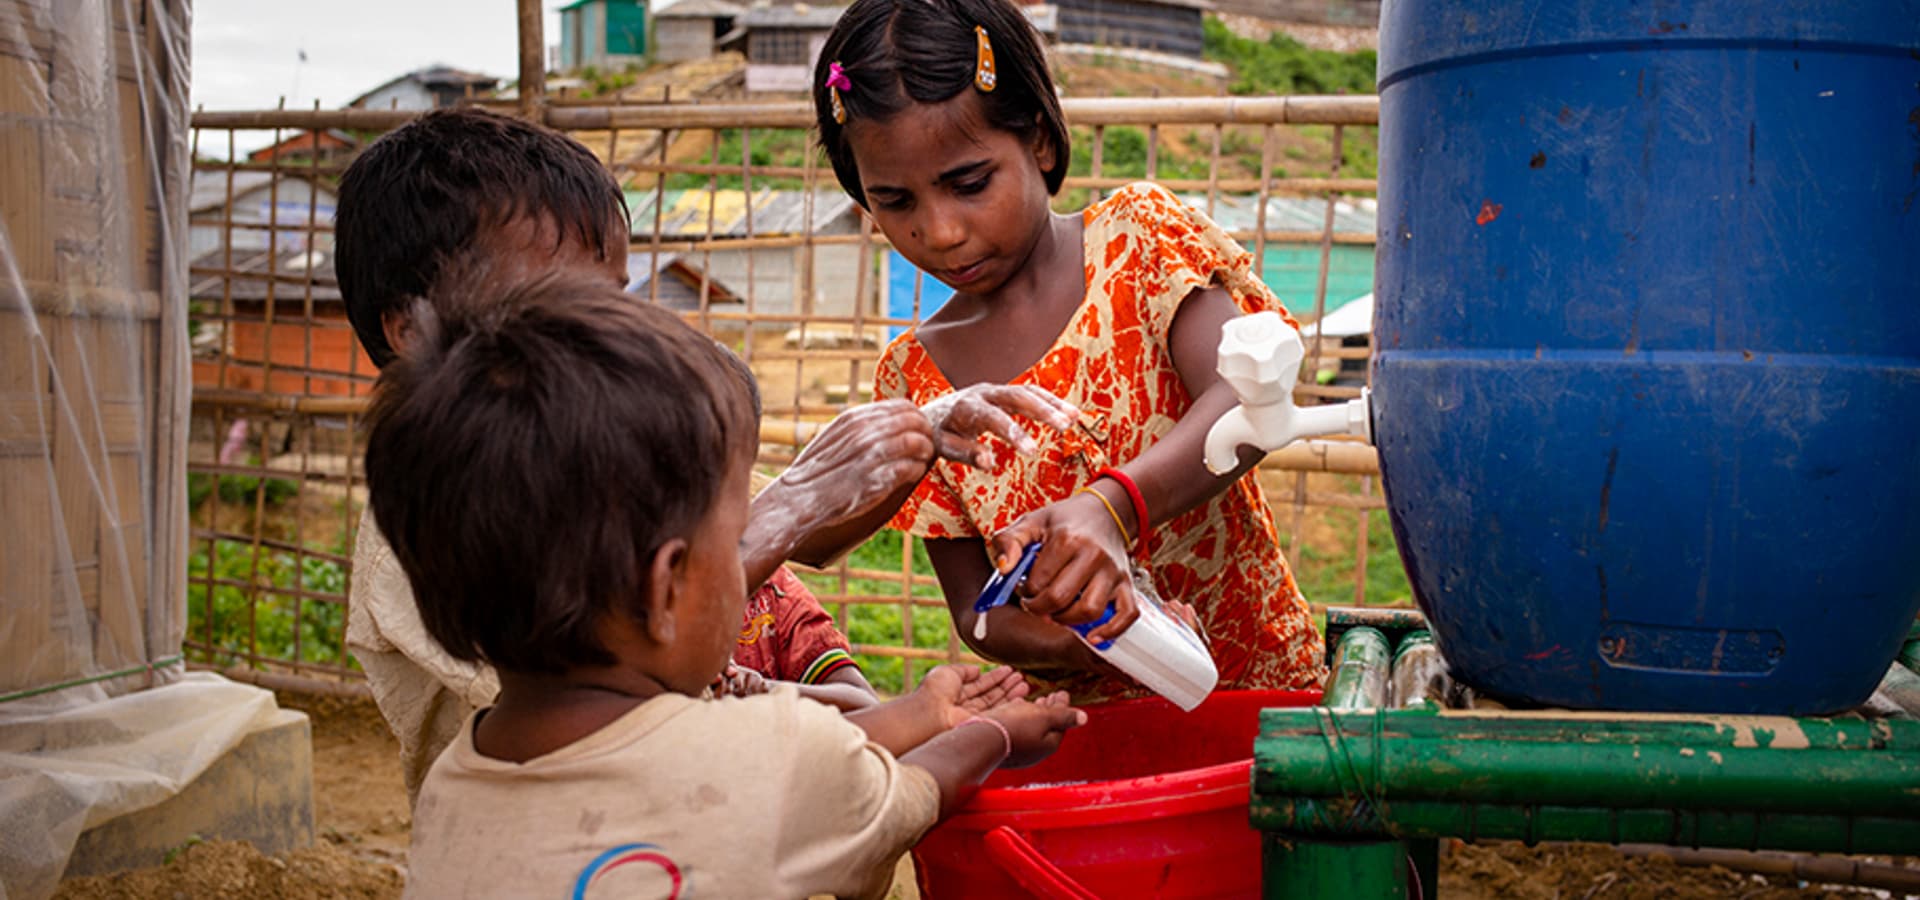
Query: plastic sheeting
x=94, y=162
x=93, y=350
x=65, y=768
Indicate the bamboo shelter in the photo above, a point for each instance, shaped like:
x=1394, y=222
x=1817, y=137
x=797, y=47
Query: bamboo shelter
x=99, y=718
x=92, y=333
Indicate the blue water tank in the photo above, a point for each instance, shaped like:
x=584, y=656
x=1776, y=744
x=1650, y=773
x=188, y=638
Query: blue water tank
x=1647, y=383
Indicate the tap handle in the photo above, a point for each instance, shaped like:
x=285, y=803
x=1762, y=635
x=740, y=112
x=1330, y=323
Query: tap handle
x=1260, y=357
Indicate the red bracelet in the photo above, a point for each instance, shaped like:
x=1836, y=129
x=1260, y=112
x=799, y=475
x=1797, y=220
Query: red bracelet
x=1005, y=736
x=1139, y=505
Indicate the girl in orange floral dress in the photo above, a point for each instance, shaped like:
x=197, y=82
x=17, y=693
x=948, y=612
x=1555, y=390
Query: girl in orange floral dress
x=940, y=118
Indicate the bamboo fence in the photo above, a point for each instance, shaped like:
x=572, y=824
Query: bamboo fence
x=279, y=496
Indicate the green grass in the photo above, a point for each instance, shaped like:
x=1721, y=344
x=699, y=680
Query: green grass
x=784, y=147
x=1325, y=573
x=875, y=624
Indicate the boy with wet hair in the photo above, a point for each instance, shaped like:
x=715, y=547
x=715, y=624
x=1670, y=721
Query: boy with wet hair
x=617, y=438
x=465, y=184
x=458, y=178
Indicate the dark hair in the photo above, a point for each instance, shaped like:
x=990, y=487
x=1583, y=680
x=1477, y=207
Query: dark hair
x=423, y=193
x=899, y=52
x=532, y=453
x=745, y=373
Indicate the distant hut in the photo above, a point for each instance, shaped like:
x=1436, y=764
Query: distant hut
x=332, y=145
x=692, y=29
x=782, y=43
x=429, y=88
x=772, y=278
x=253, y=201
x=311, y=350
x=1163, y=26
x=605, y=34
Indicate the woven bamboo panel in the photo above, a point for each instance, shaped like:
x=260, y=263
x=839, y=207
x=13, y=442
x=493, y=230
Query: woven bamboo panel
x=814, y=359
x=92, y=343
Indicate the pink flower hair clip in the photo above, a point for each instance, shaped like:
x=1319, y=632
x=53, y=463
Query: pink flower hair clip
x=837, y=81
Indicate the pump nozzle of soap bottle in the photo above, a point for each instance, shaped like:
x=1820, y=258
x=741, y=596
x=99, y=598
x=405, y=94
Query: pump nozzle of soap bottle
x=1260, y=358
x=1157, y=650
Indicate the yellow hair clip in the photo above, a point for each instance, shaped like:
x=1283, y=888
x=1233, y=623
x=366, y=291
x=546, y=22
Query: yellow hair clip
x=984, y=76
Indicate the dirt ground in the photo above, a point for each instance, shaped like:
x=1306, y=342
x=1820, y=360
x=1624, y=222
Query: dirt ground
x=361, y=819
x=1511, y=871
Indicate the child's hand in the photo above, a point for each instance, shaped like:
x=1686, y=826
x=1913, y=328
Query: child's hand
x=1081, y=570
x=960, y=419
x=1036, y=727
x=957, y=693
x=863, y=456
x=740, y=681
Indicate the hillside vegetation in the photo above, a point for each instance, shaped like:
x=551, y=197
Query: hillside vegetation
x=1282, y=65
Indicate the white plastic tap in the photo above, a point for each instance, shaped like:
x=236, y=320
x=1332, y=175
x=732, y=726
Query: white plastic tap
x=1260, y=357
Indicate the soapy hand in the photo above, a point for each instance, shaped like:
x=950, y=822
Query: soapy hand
x=1081, y=569
x=862, y=457
x=961, y=418
x=1036, y=726
x=957, y=693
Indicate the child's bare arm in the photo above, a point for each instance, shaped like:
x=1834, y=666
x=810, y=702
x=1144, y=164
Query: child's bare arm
x=947, y=696
x=840, y=695
x=856, y=474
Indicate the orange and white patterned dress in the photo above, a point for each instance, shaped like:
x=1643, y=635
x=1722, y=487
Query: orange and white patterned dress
x=1146, y=252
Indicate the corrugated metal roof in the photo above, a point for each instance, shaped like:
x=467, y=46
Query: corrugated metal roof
x=435, y=75
x=781, y=212
x=799, y=15
x=209, y=189
x=1241, y=212
x=253, y=269
x=684, y=213
x=700, y=9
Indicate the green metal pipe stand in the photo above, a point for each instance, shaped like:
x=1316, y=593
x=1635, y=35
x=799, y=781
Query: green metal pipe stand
x=1353, y=796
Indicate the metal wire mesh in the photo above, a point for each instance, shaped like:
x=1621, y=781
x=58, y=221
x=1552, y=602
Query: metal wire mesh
x=739, y=226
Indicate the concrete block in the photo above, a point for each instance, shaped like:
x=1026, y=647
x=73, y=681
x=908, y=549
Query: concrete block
x=261, y=792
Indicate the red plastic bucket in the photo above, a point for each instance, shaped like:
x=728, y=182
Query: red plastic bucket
x=1142, y=801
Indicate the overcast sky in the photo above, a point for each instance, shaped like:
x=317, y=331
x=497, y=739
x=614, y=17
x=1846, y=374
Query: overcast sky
x=246, y=53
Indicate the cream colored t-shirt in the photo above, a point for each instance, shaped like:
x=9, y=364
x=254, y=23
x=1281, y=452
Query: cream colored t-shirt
x=423, y=693
x=769, y=796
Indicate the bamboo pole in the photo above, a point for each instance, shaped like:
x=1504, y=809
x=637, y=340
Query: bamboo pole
x=1356, y=870
x=1302, y=110
x=1290, y=186
x=298, y=684
x=533, y=60
x=1340, y=457
x=1708, y=763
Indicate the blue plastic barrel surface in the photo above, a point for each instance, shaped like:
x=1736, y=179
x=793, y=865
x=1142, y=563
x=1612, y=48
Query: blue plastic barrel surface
x=1647, y=383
